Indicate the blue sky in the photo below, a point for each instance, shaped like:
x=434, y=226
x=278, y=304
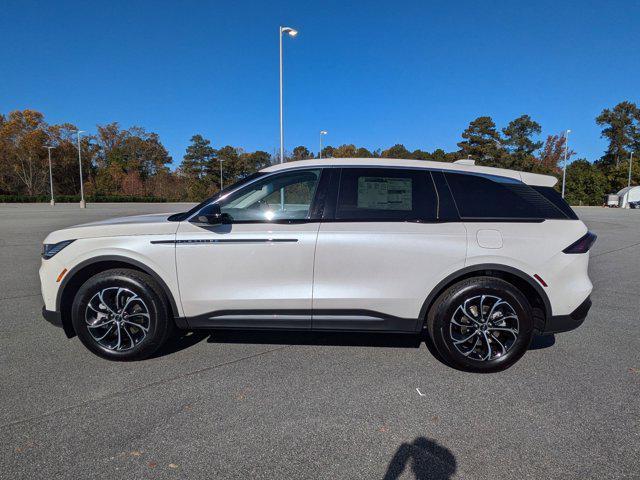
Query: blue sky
x=371, y=73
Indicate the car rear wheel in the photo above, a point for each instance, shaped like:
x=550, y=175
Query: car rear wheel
x=122, y=314
x=481, y=324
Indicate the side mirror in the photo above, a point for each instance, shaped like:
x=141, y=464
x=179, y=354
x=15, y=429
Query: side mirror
x=212, y=215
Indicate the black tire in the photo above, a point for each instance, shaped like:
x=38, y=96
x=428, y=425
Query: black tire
x=146, y=295
x=446, y=319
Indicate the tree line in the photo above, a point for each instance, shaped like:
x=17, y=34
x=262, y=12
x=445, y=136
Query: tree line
x=133, y=164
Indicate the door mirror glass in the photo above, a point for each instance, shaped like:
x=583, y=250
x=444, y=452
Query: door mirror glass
x=211, y=215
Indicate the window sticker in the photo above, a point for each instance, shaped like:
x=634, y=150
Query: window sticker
x=384, y=193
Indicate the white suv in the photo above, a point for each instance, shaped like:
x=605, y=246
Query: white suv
x=475, y=258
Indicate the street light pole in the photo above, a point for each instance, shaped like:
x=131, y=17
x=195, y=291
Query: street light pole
x=221, y=182
x=292, y=33
x=630, y=162
x=83, y=204
x=322, y=132
x=52, y=202
x=566, y=151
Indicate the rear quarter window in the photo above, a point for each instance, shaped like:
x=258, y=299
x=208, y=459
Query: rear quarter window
x=488, y=197
x=552, y=195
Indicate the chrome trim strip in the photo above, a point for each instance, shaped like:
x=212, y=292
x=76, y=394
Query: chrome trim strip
x=267, y=317
x=349, y=318
x=229, y=240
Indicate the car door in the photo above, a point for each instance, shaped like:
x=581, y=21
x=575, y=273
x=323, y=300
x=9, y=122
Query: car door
x=384, y=244
x=256, y=268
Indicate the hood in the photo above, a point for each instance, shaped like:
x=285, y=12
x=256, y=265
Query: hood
x=154, y=224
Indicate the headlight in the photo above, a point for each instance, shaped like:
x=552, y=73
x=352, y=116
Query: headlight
x=50, y=249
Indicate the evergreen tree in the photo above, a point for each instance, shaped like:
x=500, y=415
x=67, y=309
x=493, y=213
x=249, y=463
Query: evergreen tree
x=622, y=129
x=199, y=158
x=482, y=142
x=517, y=136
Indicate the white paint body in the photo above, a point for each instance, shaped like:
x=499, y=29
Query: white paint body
x=246, y=276
x=386, y=267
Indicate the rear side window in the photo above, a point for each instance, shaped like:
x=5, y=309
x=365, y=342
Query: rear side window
x=488, y=197
x=370, y=194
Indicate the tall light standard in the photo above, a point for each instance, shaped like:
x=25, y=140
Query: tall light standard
x=322, y=132
x=566, y=152
x=221, y=182
x=49, y=147
x=630, y=162
x=83, y=204
x=292, y=33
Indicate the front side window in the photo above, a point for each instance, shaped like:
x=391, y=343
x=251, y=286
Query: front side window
x=286, y=196
x=179, y=217
x=386, y=194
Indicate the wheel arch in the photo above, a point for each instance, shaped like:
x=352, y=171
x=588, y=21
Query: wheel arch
x=523, y=282
x=74, y=279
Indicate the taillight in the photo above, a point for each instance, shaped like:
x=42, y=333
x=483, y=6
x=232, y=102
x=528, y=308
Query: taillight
x=583, y=244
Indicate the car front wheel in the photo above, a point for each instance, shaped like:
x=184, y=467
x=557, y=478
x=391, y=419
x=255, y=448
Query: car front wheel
x=122, y=314
x=481, y=324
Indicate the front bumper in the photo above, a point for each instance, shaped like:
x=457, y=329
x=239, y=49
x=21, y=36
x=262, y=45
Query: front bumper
x=564, y=323
x=54, y=318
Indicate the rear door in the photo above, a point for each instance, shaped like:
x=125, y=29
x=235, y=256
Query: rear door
x=386, y=240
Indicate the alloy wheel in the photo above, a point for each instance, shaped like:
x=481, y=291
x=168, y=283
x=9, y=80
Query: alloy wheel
x=484, y=328
x=117, y=318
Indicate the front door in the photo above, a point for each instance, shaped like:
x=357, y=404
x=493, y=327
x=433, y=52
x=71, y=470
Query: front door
x=255, y=270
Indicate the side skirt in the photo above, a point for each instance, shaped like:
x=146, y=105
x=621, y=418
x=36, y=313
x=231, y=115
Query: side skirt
x=316, y=320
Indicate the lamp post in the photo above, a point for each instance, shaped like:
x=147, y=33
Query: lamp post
x=292, y=33
x=52, y=202
x=322, y=132
x=630, y=162
x=221, y=182
x=83, y=204
x=566, y=152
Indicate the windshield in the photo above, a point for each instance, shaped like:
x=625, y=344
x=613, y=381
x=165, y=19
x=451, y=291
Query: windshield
x=179, y=217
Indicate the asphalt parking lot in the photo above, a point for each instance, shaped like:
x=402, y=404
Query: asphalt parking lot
x=257, y=405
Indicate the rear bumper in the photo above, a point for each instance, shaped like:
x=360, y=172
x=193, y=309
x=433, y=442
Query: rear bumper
x=564, y=323
x=54, y=318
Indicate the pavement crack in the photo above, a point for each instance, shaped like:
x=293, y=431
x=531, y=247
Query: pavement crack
x=20, y=296
x=615, y=250
x=140, y=388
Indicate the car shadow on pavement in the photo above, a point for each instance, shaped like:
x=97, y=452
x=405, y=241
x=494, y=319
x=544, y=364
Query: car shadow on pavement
x=539, y=342
x=187, y=339
x=184, y=340
x=427, y=459
x=359, y=339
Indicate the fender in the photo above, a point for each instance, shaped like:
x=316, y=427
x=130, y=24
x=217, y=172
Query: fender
x=480, y=268
x=116, y=258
